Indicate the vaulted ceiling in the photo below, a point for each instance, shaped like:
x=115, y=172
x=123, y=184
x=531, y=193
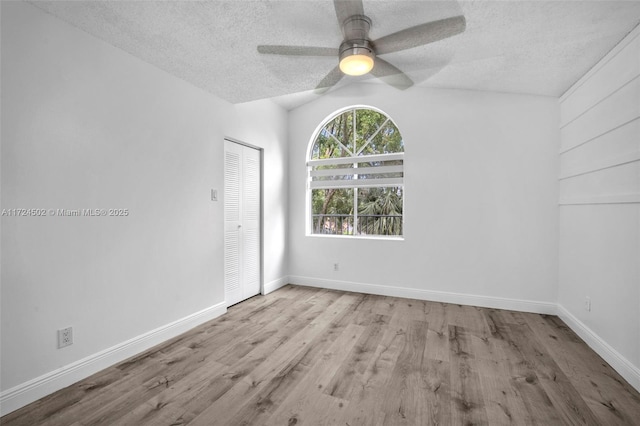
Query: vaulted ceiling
x=534, y=47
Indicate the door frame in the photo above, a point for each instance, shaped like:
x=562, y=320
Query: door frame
x=261, y=220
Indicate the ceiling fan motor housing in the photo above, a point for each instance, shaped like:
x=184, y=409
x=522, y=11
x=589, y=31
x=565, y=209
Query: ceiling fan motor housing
x=356, y=37
x=356, y=47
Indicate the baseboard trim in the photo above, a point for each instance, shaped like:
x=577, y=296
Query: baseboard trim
x=275, y=284
x=622, y=365
x=435, y=296
x=28, y=392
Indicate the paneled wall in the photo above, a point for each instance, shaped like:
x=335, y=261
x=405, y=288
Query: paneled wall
x=600, y=207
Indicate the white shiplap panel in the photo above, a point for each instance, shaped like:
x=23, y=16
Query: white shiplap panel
x=617, y=180
x=620, y=108
x=602, y=163
x=620, y=69
x=601, y=199
x=621, y=141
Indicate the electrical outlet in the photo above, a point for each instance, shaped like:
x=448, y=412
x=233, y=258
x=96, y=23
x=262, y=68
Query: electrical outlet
x=65, y=337
x=587, y=304
x=336, y=266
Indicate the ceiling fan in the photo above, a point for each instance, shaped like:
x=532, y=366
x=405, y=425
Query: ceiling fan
x=359, y=55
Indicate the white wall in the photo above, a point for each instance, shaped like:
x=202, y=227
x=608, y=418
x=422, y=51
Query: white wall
x=600, y=207
x=85, y=125
x=480, y=201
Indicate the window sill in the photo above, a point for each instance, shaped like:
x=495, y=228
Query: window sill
x=359, y=237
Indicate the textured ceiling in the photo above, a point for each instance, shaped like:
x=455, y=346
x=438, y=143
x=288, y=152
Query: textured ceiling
x=534, y=47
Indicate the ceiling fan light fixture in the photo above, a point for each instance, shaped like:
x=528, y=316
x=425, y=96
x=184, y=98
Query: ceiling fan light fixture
x=356, y=64
x=356, y=58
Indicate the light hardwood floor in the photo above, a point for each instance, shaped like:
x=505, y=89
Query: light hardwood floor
x=306, y=356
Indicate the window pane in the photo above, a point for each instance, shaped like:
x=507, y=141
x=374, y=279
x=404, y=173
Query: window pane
x=368, y=123
x=386, y=140
x=335, y=139
x=332, y=211
x=380, y=211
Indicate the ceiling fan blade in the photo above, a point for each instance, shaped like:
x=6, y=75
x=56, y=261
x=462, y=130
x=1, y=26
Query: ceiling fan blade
x=391, y=75
x=419, y=35
x=297, y=50
x=347, y=8
x=330, y=80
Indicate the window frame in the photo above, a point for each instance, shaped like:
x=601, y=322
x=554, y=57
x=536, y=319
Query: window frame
x=379, y=182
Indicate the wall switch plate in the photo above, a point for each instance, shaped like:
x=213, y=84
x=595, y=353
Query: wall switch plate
x=65, y=337
x=587, y=304
x=214, y=195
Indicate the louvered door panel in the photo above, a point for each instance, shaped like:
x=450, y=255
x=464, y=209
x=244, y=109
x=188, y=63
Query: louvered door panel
x=232, y=223
x=251, y=220
x=232, y=262
x=251, y=262
x=232, y=186
x=251, y=193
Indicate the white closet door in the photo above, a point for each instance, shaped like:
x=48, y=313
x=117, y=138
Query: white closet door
x=250, y=229
x=241, y=222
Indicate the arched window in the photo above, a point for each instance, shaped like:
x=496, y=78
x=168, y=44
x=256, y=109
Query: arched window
x=355, y=181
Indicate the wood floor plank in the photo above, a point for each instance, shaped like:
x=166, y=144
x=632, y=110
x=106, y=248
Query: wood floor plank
x=152, y=373
x=261, y=406
x=611, y=399
x=310, y=356
x=406, y=393
x=180, y=401
x=267, y=380
x=128, y=394
x=386, y=305
x=350, y=377
x=524, y=378
x=438, y=334
x=237, y=348
x=301, y=405
x=181, y=361
x=503, y=403
x=364, y=406
x=366, y=309
x=466, y=395
x=170, y=405
x=255, y=368
x=555, y=383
